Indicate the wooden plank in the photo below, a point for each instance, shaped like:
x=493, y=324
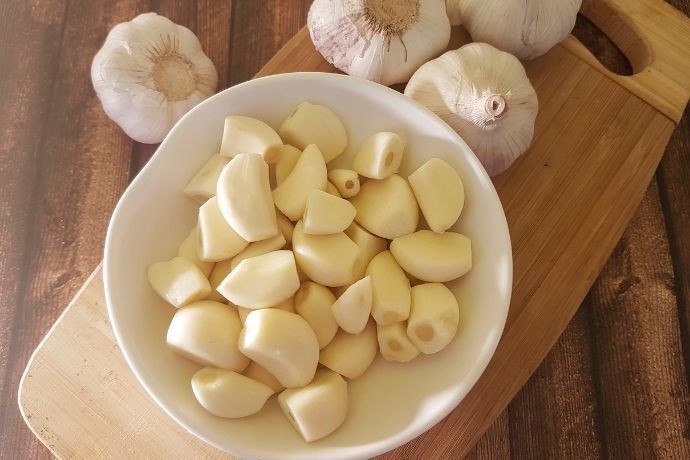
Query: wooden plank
x=638, y=357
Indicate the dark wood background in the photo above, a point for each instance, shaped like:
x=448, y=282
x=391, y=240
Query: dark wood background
x=615, y=385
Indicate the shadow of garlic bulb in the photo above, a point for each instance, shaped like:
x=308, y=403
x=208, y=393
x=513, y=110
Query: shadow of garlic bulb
x=485, y=96
x=149, y=72
x=380, y=40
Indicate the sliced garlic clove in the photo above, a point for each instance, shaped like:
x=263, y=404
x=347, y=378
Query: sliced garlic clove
x=433, y=257
x=178, y=281
x=188, y=250
x=207, y=332
x=309, y=173
x=353, y=307
x=326, y=214
x=346, y=181
x=249, y=135
x=283, y=343
x=332, y=189
x=380, y=156
x=217, y=240
x=369, y=245
x=203, y=184
x=390, y=290
x=285, y=227
x=259, y=373
x=325, y=259
x=439, y=193
x=218, y=274
x=244, y=197
x=394, y=343
x=315, y=124
x=313, y=303
x=434, y=317
x=387, y=207
x=257, y=248
x=228, y=394
x=317, y=409
x=351, y=354
x=262, y=281
x=286, y=162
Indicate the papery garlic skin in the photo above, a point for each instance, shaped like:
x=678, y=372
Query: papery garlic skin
x=524, y=29
x=380, y=40
x=149, y=72
x=485, y=96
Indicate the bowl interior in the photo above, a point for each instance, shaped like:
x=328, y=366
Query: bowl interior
x=391, y=403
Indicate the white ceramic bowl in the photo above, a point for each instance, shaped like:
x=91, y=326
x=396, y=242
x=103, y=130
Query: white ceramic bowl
x=391, y=403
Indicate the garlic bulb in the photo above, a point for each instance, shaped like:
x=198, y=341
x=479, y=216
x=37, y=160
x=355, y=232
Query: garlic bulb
x=526, y=29
x=485, y=96
x=454, y=10
x=380, y=40
x=149, y=72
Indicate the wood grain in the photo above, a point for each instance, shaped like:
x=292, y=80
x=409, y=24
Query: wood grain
x=567, y=408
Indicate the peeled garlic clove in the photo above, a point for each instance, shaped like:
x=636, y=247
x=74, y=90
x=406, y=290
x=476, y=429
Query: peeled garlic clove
x=377, y=39
x=285, y=227
x=244, y=197
x=325, y=259
x=217, y=240
x=287, y=305
x=351, y=310
x=499, y=105
x=369, y=245
x=149, y=73
x=203, y=184
x=351, y=354
x=313, y=303
x=229, y=394
x=434, y=317
x=524, y=29
x=439, y=193
x=346, y=181
x=315, y=124
x=433, y=257
x=309, y=173
x=390, y=290
x=262, y=281
x=218, y=274
x=188, y=250
x=380, y=156
x=286, y=162
x=387, y=208
x=283, y=343
x=326, y=214
x=207, y=332
x=332, y=189
x=178, y=281
x=249, y=135
x=257, y=372
x=257, y=248
x=317, y=409
x=394, y=343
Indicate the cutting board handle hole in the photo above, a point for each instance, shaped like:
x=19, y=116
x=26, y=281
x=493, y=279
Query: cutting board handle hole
x=602, y=47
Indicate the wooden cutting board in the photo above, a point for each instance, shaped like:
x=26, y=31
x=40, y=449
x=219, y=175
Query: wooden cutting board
x=599, y=138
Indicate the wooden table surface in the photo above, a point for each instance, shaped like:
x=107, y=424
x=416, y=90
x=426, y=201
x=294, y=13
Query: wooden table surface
x=615, y=385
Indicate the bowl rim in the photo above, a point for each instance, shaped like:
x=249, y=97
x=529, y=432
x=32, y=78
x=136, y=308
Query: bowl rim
x=374, y=448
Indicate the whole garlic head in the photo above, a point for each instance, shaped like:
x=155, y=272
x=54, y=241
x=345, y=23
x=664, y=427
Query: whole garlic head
x=149, y=72
x=380, y=40
x=485, y=96
x=526, y=29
